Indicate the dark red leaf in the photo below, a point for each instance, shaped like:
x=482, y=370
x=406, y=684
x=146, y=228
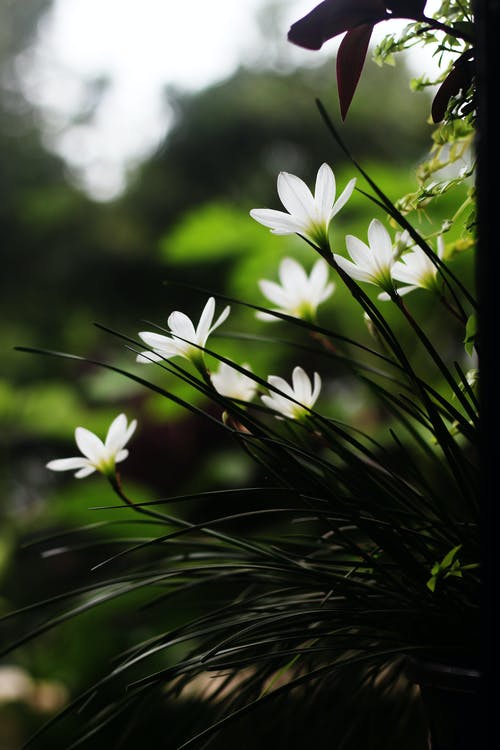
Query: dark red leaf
x=406, y=8
x=458, y=78
x=350, y=60
x=333, y=17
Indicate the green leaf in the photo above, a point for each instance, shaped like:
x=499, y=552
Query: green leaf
x=470, y=334
x=431, y=583
x=449, y=558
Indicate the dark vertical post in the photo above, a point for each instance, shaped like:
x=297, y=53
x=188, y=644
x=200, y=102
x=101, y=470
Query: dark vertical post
x=487, y=21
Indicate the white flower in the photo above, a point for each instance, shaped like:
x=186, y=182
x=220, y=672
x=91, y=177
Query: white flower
x=308, y=215
x=371, y=263
x=234, y=384
x=164, y=347
x=402, y=241
x=472, y=377
x=299, y=294
x=98, y=456
x=417, y=269
x=302, y=391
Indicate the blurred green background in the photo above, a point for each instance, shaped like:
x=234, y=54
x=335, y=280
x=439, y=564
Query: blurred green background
x=69, y=261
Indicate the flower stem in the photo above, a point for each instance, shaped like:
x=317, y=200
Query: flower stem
x=115, y=482
x=450, y=30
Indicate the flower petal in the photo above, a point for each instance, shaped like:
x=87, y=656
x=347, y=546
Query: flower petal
x=343, y=198
x=222, y=317
x=403, y=273
x=146, y=358
x=119, y=434
x=130, y=430
x=156, y=340
x=85, y=472
x=89, y=444
x=296, y=196
x=67, y=464
x=206, y=317
x=292, y=275
x=327, y=292
x=406, y=289
x=232, y=383
x=270, y=402
x=316, y=388
x=380, y=243
x=319, y=290
x=324, y=193
x=278, y=221
x=268, y=317
x=440, y=246
x=301, y=385
x=354, y=271
x=115, y=437
x=274, y=292
x=164, y=346
x=359, y=251
x=181, y=325
x=121, y=455
x=384, y=297
x=281, y=385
